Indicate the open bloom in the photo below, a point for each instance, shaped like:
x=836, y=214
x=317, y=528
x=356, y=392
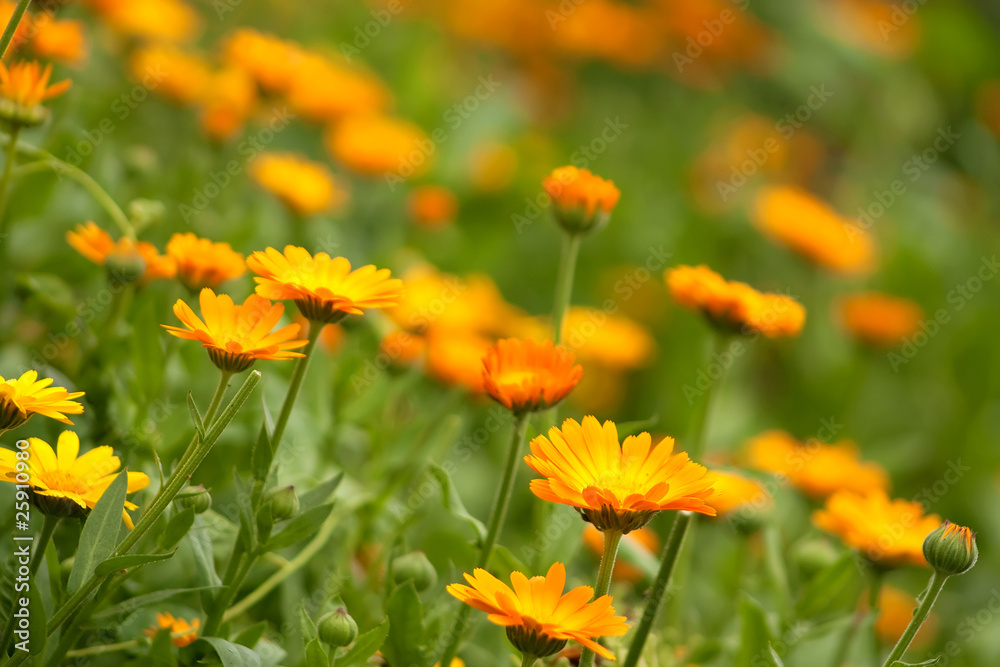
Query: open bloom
x=59, y=40
x=539, y=618
x=305, y=187
x=23, y=87
x=615, y=486
x=879, y=319
x=323, y=287
x=734, y=306
x=889, y=533
x=237, y=335
x=583, y=202
x=227, y=102
x=64, y=484
x=204, y=263
x=271, y=61
x=97, y=245
x=376, y=145
x=182, y=633
x=525, y=375
x=180, y=76
x=736, y=493
x=23, y=397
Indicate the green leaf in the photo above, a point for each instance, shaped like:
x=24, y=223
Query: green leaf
x=316, y=655
x=124, y=562
x=299, y=528
x=755, y=635
x=775, y=658
x=54, y=569
x=308, y=626
x=140, y=601
x=250, y=636
x=405, y=643
x=201, y=547
x=196, y=418
x=835, y=588
x=453, y=503
x=231, y=655
x=178, y=526
x=37, y=628
x=161, y=651
x=631, y=428
x=263, y=449
x=321, y=493
x=148, y=357
x=100, y=532
x=925, y=663
x=503, y=562
x=365, y=646
x=244, y=504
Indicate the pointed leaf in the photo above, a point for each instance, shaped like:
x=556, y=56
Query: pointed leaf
x=316, y=655
x=321, y=493
x=405, y=644
x=365, y=646
x=453, y=502
x=250, y=636
x=302, y=526
x=100, y=532
x=131, y=604
x=178, y=526
x=835, y=588
x=201, y=547
x=231, y=655
x=124, y=562
x=196, y=418
x=755, y=636
x=626, y=429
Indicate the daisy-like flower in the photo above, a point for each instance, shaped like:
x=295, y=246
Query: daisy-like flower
x=23, y=397
x=525, y=375
x=879, y=319
x=182, y=633
x=23, y=87
x=131, y=257
x=228, y=101
x=376, y=145
x=63, y=484
x=736, y=493
x=539, y=618
x=59, y=40
x=271, y=61
x=304, y=186
x=237, y=335
x=616, y=486
x=582, y=201
x=328, y=91
x=181, y=76
x=323, y=287
x=204, y=263
x=889, y=533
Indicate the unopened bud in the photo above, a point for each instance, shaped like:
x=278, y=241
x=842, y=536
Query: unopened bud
x=337, y=628
x=951, y=549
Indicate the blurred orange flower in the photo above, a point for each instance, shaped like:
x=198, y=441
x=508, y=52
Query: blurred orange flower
x=156, y=20
x=97, y=245
x=379, y=146
x=304, y=186
x=582, y=201
x=59, y=40
x=325, y=92
x=204, y=263
x=26, y=85
x=270, y=60
x=180, y=76
x=456, y=357
x=879, y=319
x=525, y=375
x=734, y=492
x=228, y=101
x=895, y=611
x=432, y=206
x=182, y=633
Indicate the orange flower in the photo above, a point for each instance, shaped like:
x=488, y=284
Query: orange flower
x=813, y=467
x=525, y=375
x=271, y=61
x=180, y=76
x=615, y=486
x=432, y=206
x=182, y=633
x=539, y=618
x=97, y=245
x=324, y=288
x=736, y=493
x=583, y=202
x=895, y=611
x=880, y=319
x=644, y=540
x=889, y=533
x=59, y=40
x=305, y=187
x=156, y=20
x=379, y=146
x=456, y=357
x=26, y=396
x=203, y=263
x=227, y=102
x=402, y=347
x=810, y=227
x=23, y=87
x=613, y=341
x=734, y=306
x=324, y=91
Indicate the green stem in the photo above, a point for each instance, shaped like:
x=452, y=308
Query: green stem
x=528, y=660
x=670, y=552
x=8, y=166
x=15, y=20
x=48, y=528
x=299, y=374
x=844, y=648
x=775, y=564
x=927, y=601
x=564, y=282
x=612, y=538
x=699, y=429
x=104, y=648
x=226, y=595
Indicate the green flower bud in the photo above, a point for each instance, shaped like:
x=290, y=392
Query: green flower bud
x=124, y=267
x=196, y=497
x=337, y=628
x=284, y=503
x=144, y=212
x=414, y=567
x=812, y=556
x=951, y=549
x=581, y=202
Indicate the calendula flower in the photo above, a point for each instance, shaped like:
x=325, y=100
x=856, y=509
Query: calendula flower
x=889, y=533
x=432, y=206
x=895, y=611
x=539, y=618
x=304, y=186
x=375, y=145
x=613, y=341
x=130, y=257
x=181, y=76
x=735, y=493
x=879, y=319
x=810, y=227
x=24, y=86
x=615, y=486
x=323, y=287
x=170, y=21
x=227, y=102
x=816, y=468
x=26, y=396
x=182, y=633
x=644, y=539
x=582, y=201
x=525, y=375
x=204, y=263
x=951, y=549
x=237, y=335
x=270, y=60
x=735, y=307
x=456, y=358
x=325, y=91
x=63, y=484
x=59, y=40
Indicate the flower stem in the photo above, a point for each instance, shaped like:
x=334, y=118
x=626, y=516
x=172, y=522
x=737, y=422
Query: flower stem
x=927, y=601
x=847, y=640
x=673, y=547
x=612, y=538
x=699, y=428
x=8, y=165
x=15, y=20
x=301, y=366
x=528, y=660
x=564, y=282
x=48, y=528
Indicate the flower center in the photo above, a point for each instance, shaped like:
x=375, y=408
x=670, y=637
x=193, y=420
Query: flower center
x=60, y=480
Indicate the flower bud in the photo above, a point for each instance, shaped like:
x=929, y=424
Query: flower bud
x=581, y=202
x=414, y=567
x=125, y=266
x=145, y=212
x=951, y=549
x=196, y=497
x=284, y=503
x=337, y=628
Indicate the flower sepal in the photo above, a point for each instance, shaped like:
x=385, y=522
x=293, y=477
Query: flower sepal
x=533, y=641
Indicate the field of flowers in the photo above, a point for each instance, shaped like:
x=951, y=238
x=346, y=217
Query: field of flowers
x=530, y=332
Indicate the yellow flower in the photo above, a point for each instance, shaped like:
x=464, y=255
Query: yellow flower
x=305, y=187
x=814, y=230
x=583, y=202
x=23, y=87
x=59, y=40
x=539, y=618
x=270, y=60
x=227, y=102
x=615, y=486
x=733, y=306
x=879, y=319
x=156, y=20
x=182, y=633
x=432, y=206
x=202, y=263
x=889, y=533
x=613, y=341
x=325, y=92
x=644, y=538
x=237, y=335
x=64, y=484
x=456, y=358
x=26, y=396
x=324, y=288
x=180, y=76
x=525, y=375
x=815, y=468
x=97, y=245
x=379, y=146
x=734, y=493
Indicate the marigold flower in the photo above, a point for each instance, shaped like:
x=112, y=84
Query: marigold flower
x=59, y=40
x=304, y=186
x=644, y=539
x=64, y=484
x=379, y=146
x=814, y=230
x=951, y=549
x=324, y=288
x=182, y=633
x=402, y=347
x=456, y=358
x=615, y=486
x=526, y=376
x=204, y=263
x=889, y=533
x=96, y=244
x=228, y=101
x=613, y=341
x=23, y=87
x=26, y=396
x=880, y=319
x=539, y=618
x=432, y=206
x=156, y=20
x=735, y=493
x=895, y=611
x=270, y=60
x=816, y=468
x=237, y=335
x=325, y=92
x=582, y=201
x=733, y=306
x=181, y=76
